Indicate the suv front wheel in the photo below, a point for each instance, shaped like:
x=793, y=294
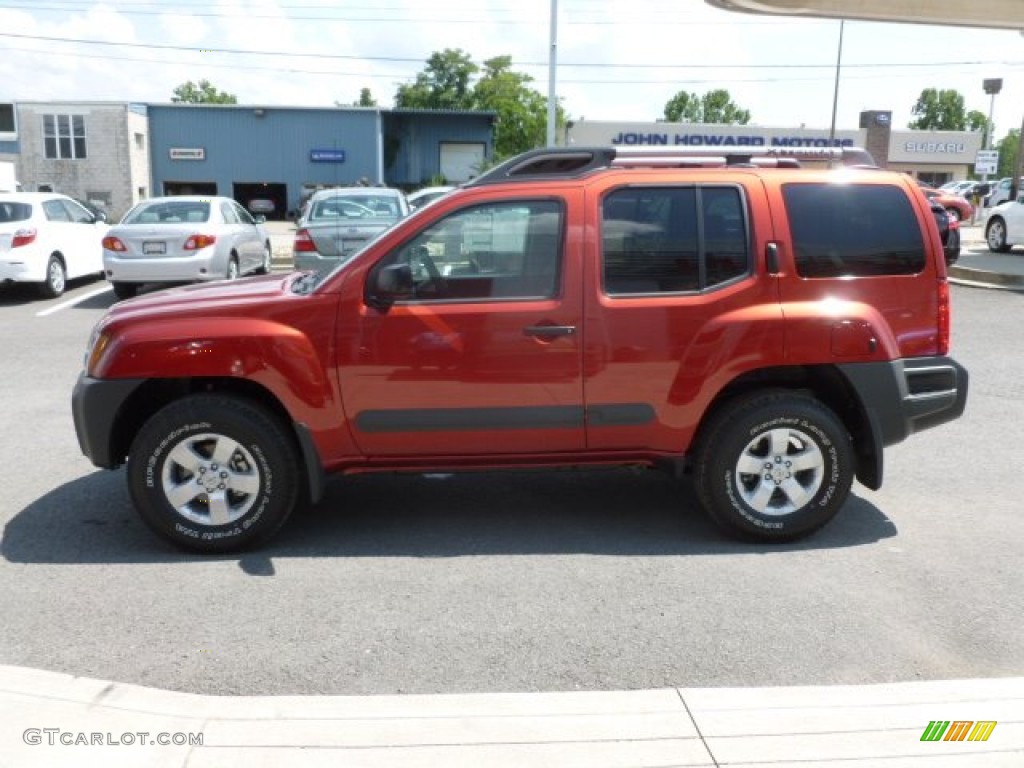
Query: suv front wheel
x=213, y=473
x=774, y=467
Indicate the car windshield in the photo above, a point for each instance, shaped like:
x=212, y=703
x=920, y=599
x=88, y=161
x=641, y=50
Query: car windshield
x=354, y=207
x=10, y=211
x=169, y=213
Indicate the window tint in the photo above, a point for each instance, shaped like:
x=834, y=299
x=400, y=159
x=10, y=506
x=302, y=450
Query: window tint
x=243, y=215
x=14, y=212
x=671, y=240
x=77, y=213
x=505, y=250
x=55, y=211
x=228, y=213
x=172, y=212
x=853, y=230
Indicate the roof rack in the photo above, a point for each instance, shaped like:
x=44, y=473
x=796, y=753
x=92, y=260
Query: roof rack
x=575, y=162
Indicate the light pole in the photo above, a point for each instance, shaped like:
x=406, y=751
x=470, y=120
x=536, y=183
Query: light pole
x=835, y=91
x=992, y=87
x=552, y=69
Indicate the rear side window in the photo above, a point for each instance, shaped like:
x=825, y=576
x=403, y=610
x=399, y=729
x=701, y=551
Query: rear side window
x=853, y=230
x=672, y=239
x=14, y=212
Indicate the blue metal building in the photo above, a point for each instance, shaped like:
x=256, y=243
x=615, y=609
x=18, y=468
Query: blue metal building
x=283, y=153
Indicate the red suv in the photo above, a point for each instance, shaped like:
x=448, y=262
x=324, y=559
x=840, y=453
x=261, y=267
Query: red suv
x=765, y=328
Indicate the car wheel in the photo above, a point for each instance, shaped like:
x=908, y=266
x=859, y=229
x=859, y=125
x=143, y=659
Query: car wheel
x=125, y=290
x=264, y=268
x=213, y=473
x=774, y=467
x=995, y=236
x=232, y=269
x=954, y=214
x=56, y=279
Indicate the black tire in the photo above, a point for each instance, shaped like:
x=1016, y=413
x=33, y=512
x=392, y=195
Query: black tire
x=125, y=290
x=995, y=235
x=800, y=461
x=264, y=268
x=173, y=473
x=56, y=279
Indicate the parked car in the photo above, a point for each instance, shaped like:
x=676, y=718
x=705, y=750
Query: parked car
x=425, y=195
x=184, y=239
x=1004, y=226
x=767, y=329
x=261, y=205
x=1001, y=191
x=956, y=205
x=338, y=222
x=949, y=232
x=48, y=239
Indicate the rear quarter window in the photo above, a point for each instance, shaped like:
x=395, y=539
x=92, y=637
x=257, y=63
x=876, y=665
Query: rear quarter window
x=853, y=230
x=10, y=212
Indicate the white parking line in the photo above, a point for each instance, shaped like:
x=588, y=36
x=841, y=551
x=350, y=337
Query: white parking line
x=72, y=302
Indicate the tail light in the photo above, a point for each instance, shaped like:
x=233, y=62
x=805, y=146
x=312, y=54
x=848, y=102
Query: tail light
x=198, y=242
x=23, y=237
x=114, y=244
x=303, y=242
x=943, y=318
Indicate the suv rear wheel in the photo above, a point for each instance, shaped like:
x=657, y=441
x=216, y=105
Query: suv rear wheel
x=774, y=467
x=213, y=473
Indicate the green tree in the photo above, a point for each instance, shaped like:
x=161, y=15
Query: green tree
x=365, y=99
x=521, y=110
x=714, y=106
x=940, y=110
x=443, y=84
x=1008, y=148
x=202, y=92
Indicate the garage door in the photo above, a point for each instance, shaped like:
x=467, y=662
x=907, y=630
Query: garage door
x=461, y=161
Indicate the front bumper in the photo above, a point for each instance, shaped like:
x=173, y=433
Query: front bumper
x=96, y=406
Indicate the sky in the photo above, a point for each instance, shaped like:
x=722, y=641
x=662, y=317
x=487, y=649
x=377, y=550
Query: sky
x=618, y=61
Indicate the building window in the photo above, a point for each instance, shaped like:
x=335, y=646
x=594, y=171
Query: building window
x=140, y=141
x=142, y=193
x=64, y=136
x=8, y=124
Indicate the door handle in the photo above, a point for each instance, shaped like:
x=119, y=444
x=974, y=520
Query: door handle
x=549, y=330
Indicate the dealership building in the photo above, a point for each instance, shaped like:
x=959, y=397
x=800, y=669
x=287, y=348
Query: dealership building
x=933, y=157
x=115, y=154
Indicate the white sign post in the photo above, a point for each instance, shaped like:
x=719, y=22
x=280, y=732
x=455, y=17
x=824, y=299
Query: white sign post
x=986, y=161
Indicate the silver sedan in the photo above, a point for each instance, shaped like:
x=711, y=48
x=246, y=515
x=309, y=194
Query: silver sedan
x=184, y=239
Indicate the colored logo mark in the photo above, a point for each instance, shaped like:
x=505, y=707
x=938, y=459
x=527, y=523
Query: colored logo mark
x=958, y=730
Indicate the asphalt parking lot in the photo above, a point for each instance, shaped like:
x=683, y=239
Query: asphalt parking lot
x=526, y=581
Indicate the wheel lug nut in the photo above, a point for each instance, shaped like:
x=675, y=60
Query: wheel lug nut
x=224, y=474
x=220, y=487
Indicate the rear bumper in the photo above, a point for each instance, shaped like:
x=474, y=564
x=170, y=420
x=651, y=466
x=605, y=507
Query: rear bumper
x=902, y=397
x=183, y=269
x=95, y=407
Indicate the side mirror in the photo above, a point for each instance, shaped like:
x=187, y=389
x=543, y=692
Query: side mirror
x=389, y=284
x=100, y=217
x=259, y=218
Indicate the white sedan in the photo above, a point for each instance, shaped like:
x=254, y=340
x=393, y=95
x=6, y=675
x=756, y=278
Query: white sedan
x=48, y=239
x=1004, y=227
x=183, y=240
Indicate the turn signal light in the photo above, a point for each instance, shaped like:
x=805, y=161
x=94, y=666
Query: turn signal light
x=198, y=242
x=303, y=242
x=23, y=237
x=114, y=244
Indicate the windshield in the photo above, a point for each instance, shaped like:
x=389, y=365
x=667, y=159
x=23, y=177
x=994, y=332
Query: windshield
x=173, y=212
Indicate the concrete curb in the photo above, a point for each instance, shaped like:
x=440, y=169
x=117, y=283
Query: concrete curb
x=983, y=278
x=57, y=719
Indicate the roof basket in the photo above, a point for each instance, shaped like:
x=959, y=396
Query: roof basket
x=574, y=162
